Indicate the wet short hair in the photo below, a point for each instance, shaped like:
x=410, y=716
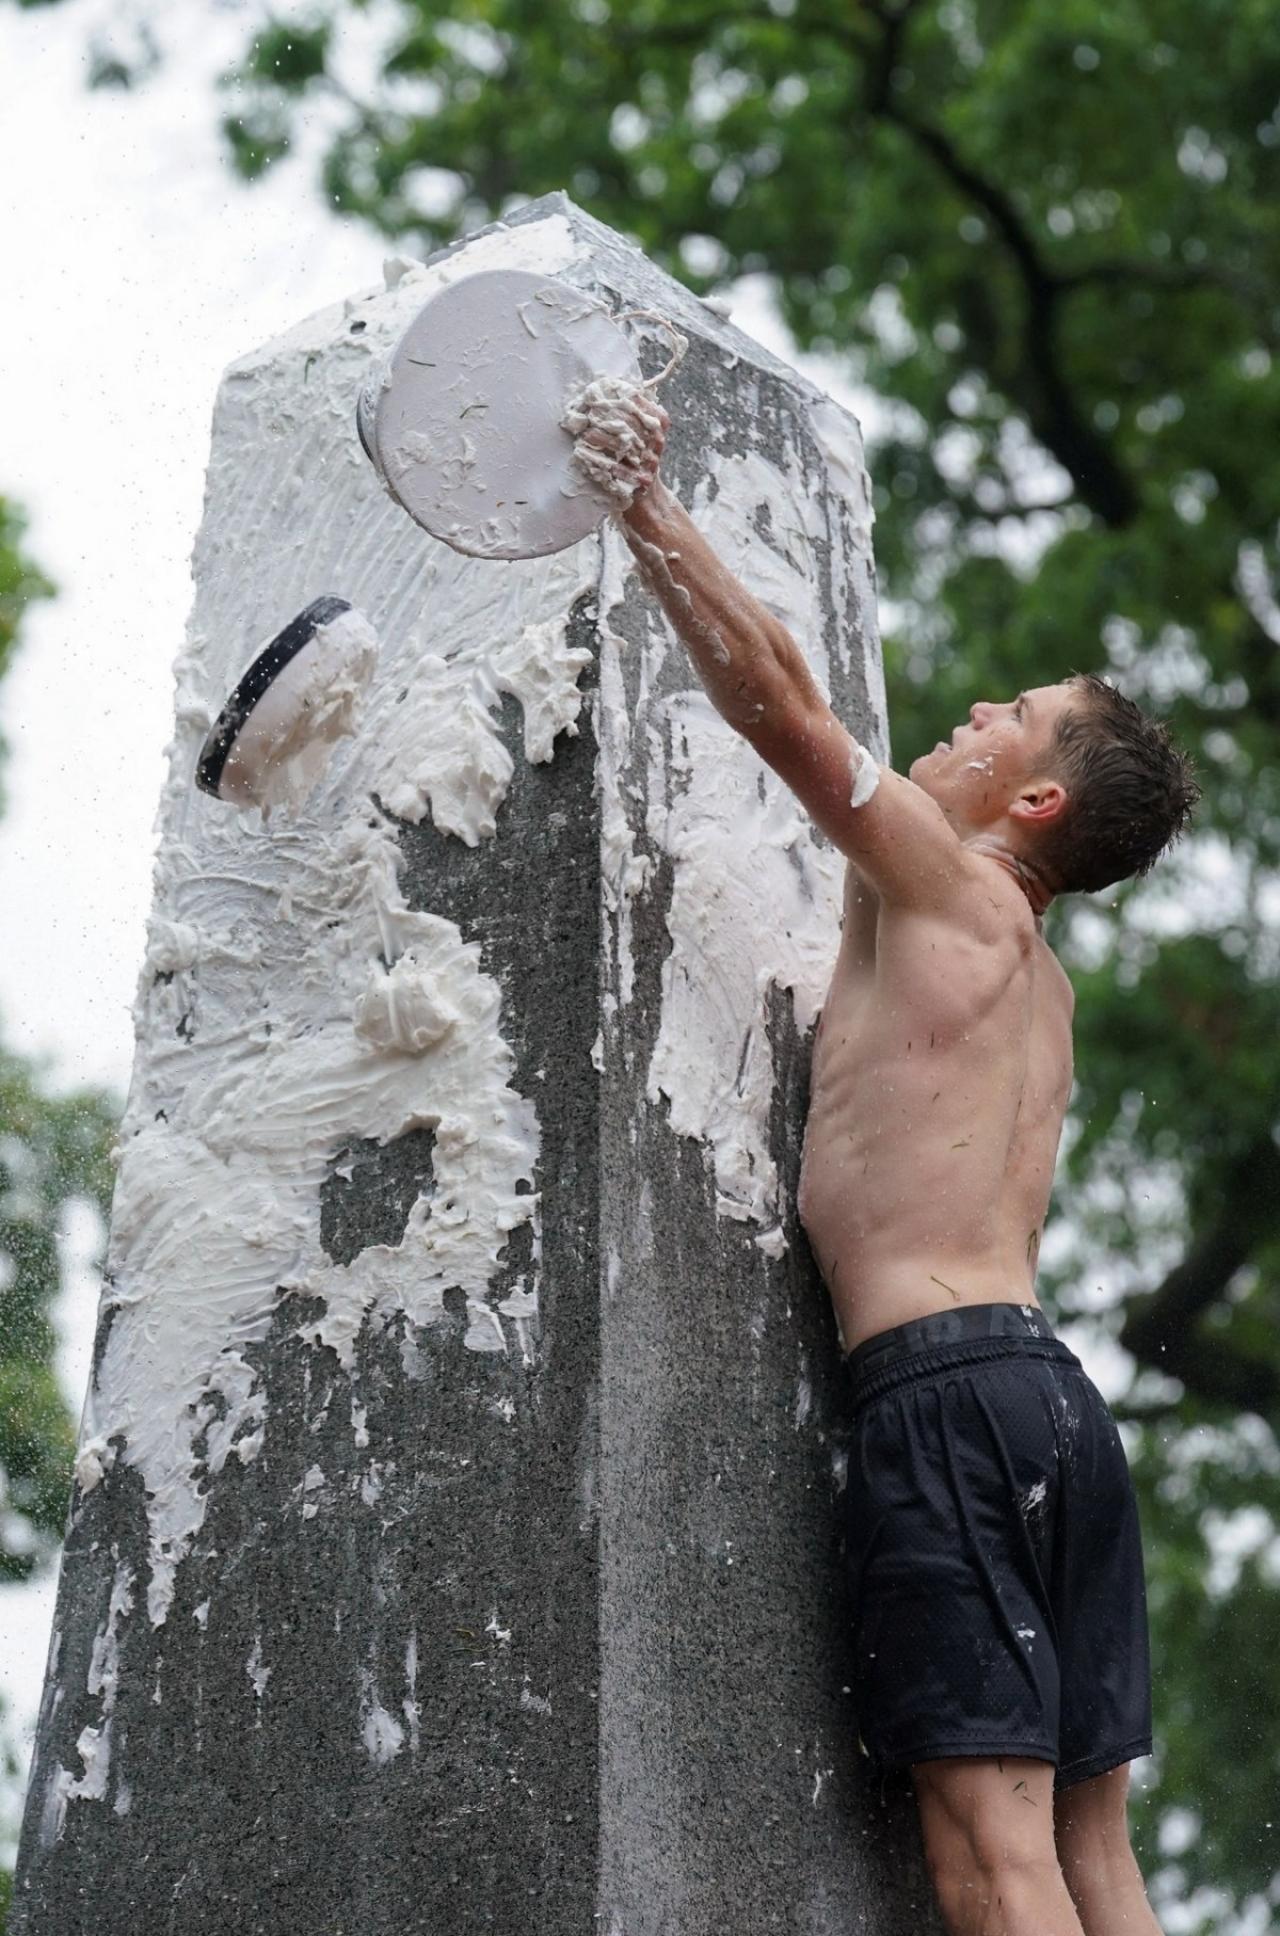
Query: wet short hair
x=1130, y=790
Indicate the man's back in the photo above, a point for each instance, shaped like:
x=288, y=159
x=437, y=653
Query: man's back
x=941, y=1073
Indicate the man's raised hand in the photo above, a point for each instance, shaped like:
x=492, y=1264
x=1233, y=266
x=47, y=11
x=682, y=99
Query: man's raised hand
x=620, y=431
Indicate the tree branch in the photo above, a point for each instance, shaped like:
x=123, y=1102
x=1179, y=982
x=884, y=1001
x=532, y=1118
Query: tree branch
x=1179, y=279
x=1052, y=410
x=1009, y=507
x=1163, y=1330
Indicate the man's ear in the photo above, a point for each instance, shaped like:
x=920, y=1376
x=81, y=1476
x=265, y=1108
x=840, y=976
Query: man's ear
x=1039, y=804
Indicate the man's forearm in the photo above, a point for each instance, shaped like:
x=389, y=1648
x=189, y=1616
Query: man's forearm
x=741, y=651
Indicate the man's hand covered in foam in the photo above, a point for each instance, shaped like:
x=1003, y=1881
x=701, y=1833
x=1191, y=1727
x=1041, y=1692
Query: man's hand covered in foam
x=619, y=430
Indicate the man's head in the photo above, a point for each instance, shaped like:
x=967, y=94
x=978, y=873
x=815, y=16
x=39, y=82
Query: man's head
x=1074, y=778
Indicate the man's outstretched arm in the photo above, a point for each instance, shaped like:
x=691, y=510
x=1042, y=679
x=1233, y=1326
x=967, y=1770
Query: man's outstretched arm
x=744, y=656
x=758, y=680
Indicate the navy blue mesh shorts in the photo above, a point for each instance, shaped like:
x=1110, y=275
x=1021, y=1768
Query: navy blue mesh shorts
x=994, y=1550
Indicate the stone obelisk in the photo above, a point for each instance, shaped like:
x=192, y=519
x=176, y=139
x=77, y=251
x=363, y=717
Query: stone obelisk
x=454, y=1544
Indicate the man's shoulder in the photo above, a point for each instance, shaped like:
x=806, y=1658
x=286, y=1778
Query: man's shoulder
x=984, y=905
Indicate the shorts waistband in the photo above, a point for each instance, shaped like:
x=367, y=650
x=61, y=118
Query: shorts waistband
x=972, y=1334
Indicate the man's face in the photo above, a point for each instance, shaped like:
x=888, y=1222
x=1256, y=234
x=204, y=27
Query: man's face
x=975, y=775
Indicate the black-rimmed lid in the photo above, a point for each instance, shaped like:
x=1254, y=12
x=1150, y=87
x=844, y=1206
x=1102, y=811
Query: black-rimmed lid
x=265, y=669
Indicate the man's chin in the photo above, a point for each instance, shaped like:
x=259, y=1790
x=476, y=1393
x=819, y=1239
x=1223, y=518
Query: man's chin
x=926, y=767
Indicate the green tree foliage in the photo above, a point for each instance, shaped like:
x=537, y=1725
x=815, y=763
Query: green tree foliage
x=1046, y=233
x=53, y=1149
x=20, y=582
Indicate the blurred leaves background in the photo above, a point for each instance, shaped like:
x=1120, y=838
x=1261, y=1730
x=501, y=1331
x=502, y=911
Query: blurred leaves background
x=1047, y=237
x=53, y=1152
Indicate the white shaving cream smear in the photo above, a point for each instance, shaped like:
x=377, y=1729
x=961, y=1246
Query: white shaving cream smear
x=291, y=1003
x=756, y=897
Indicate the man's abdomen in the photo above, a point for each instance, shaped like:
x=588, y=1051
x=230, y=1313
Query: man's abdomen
x=897, y=1238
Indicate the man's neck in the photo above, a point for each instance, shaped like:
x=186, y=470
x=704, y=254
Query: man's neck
x=1025, y=872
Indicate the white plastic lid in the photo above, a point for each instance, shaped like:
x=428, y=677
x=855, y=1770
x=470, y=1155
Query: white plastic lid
x=463, y=424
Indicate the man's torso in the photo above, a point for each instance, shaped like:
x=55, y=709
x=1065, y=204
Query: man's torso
x=941, y=1073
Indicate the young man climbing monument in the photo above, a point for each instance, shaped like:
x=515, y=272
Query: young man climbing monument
x=992, y=1532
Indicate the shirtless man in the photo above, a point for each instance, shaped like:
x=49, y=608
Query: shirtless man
x=994, y=1548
